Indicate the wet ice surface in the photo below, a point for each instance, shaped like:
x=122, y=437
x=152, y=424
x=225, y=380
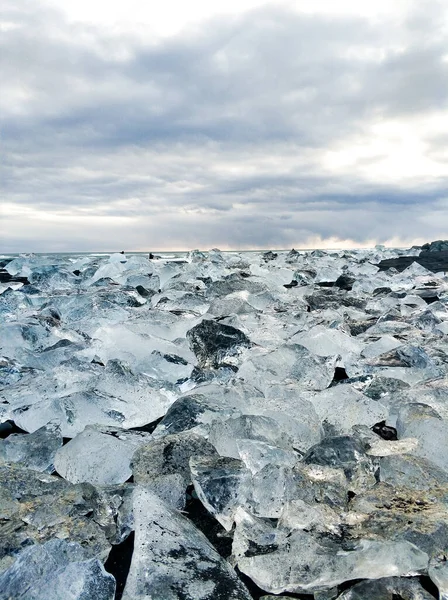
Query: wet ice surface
x=293, y=406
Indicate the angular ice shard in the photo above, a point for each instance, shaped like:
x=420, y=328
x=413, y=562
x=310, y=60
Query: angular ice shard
x=382, y=386
x=112, y=510
x=412, y=472
x=257, y=454
x=222, y=485
x=213, y=342
x=348, y=454
x=236, y=303
x=387, y=588
x=174, y=560
x=423, y=423
x=225, y=435
x=342, y=406
x=271, y=488
x=34, y=450
x=55, y=570
x=290, y=363
x=95, y=457
x=412, y=414
x=128, y=402
x=328, y=342
x=384, y=344
x=300, y=564
x=320, y=484
x=438, y=572
x=294, y=413
x=298, y=514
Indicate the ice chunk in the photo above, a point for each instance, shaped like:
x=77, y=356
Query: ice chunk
x=383, y=589
x=342, y=406
x=298, y=514
x=328, y=342
x=225, y=435
x=123, y=401
x=56, y=570
x=413, y=413
x=257, y=454
x=302, y=565
x=411, y=472
x=294, y=413
x=288, y=364
x=222, y=485
x=271, y=488
x=95, y=457
x=112, y=510
x=432, y=435
x=382, y=386
x=172, y=559
x=347, y=453
x=236, y=303
x=438, y=572
x=34, y=450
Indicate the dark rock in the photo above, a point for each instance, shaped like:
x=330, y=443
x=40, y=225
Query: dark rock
x=293, y=283
x=144, y=292
x=37, y=507
x=340, y=374
x=212, y=342
x=358, y=327
x=434, y=261
x=385, y=431
x=437, y=246
x=5, y=277
x=381, y=291
x=333, y=298
x=169, y=455
x=269, y=255
x=344, y=282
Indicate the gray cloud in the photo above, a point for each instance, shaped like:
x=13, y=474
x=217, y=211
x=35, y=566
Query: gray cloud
x=214, y=138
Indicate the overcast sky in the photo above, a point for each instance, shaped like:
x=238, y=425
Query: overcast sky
x=157, y=125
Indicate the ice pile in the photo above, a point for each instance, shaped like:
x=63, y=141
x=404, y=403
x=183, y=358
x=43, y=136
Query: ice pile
x=223, y=426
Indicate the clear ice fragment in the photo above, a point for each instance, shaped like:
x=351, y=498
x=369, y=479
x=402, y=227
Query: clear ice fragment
x=95, y=457
x=33, y=450
x=55, y=570
x=173, y=560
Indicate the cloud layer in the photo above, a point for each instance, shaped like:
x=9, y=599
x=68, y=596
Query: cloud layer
x=271, y=128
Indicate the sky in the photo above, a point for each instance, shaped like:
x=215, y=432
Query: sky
x=145, y=126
